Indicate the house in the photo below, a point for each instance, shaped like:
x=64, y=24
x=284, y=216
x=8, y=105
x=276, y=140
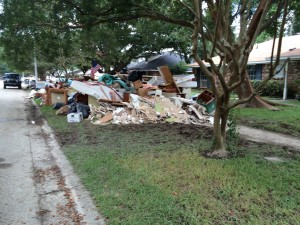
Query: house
x=260, y=58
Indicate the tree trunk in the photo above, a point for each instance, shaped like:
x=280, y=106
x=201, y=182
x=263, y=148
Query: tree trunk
x=246, y=89
x=220, y=121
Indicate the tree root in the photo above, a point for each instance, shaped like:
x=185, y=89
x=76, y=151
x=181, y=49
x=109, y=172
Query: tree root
x=259, y=102
x=220, y=154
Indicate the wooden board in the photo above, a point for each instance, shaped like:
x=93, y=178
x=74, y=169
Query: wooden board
x=168, y=78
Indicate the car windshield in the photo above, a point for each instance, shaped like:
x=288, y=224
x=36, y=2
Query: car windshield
x=12, y=76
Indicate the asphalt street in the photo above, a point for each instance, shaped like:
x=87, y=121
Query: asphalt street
x=37, y=183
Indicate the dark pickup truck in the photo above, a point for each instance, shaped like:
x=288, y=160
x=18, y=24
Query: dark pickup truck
x=12, y=79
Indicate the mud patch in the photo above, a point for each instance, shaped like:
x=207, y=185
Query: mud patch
x=43, y=212
x=43, y=135
x=33, y=113
x=40, y=174
x=92, y=133
x=5, y=165
x=65, y=210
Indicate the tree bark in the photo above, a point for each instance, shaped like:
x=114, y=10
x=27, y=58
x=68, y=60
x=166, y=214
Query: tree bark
x=246, y=89
x=219, y=127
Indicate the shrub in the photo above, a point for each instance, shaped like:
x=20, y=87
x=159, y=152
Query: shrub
x=179, y=68
x=274, y=88
x=295, y=86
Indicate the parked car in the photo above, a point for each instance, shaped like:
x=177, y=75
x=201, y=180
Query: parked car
x=12, y=79
x=32, y=84
x=25, y=83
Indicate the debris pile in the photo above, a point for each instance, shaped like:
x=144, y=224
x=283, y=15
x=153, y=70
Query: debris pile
x=148, y=110
x=112, y=100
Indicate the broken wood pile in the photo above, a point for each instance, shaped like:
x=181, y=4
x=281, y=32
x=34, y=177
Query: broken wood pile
x=112, y=100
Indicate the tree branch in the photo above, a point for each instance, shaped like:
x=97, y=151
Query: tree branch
x=216, y=28
x=239, y=102
x=256, y=21
x=268, y=22
x=187, y=7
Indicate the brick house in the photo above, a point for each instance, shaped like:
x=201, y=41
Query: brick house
x=259, y=61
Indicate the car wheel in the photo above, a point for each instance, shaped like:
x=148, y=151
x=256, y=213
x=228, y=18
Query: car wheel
x=19, y=86
x=4, y=86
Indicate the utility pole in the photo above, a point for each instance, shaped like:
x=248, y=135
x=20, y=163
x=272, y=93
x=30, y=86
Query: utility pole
x=35, y=68
x=285, y=81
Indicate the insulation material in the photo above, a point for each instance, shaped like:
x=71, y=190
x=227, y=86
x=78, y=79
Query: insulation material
x=98, y=91
x=148, y=110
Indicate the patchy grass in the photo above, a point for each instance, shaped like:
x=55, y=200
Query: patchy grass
x=286, y=120
x=156, y=174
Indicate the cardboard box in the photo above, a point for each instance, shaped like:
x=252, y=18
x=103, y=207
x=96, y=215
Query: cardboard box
x=75, y=117
x=93, y=101
x=142, y=92
x=64, y=110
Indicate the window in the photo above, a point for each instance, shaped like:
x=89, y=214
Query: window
x=12, y=76
x=251, y=72
x=280, y=71
x=203, y=81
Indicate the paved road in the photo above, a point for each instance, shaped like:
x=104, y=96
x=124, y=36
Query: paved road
x=37, y=184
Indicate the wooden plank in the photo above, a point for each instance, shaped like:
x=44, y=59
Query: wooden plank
x=168, y=77
x=106, y=118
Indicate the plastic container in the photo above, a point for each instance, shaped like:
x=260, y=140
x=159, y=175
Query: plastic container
x=207, y=99
x=75, y=117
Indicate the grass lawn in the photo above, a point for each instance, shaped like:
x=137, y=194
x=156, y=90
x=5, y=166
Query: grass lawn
x=286, y=120
x=156, y=174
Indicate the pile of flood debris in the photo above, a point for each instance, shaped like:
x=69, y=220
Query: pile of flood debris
x=133, y=101
x=149, y=110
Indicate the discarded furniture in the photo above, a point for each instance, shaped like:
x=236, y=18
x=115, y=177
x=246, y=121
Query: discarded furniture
x=55, y=95
x=207, y=99
x=170, y=84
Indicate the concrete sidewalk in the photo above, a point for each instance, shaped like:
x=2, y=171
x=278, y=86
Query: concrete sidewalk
x=269, y=137
x=37, y=184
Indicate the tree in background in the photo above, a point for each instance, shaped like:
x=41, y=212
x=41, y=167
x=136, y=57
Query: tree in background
x=49, y=27
x=294, y=18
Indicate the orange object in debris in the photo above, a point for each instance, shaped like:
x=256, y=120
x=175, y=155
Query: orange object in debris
x=126, y=97
x=170, y=90
x=106, y=118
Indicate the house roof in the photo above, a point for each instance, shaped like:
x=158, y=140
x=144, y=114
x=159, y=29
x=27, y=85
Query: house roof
x=136, y=66
x=261, y=52
x=165, y=59
x=292, y=53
